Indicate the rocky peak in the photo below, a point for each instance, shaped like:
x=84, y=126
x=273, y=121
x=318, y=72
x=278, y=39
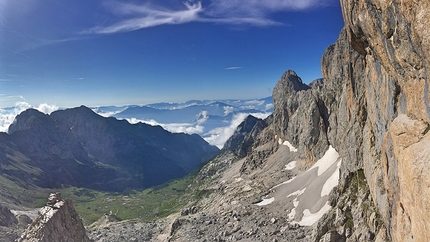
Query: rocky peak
x=243, y=138
x=298, y=115
x=7, y=218
x=28, y=119
x=57, y=221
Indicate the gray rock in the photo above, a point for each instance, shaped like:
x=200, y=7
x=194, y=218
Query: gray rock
x=56, y=222
x=7, y=218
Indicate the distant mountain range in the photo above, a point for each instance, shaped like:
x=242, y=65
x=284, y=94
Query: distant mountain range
x=81, y=148
x=214, y=120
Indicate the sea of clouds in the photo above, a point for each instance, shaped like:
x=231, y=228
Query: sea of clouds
x=215, y=133
x=7, y=115
x=215, y=136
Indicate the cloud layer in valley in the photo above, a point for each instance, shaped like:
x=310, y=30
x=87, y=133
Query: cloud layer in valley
x=217, y=136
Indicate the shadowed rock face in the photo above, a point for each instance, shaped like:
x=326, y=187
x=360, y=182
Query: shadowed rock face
x=6, y=217
x=80, y=148
x=297, y=116
x=57, y=221
x=242, y=140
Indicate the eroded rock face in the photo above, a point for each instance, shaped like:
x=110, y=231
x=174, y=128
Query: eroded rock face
x=297, y=117
x=243, y=137
x=57, y=221
x=393, y=38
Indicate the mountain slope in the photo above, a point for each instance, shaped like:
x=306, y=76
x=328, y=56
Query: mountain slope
x=80, y=148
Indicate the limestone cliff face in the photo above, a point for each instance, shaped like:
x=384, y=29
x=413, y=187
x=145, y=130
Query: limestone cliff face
x=297, y=117
x=57, y=221
x=393, y=40
x=373, y=107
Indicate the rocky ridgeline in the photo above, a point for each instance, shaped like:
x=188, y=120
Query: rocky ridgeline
x=57, y=221
x=240, y=143
x=372, y=107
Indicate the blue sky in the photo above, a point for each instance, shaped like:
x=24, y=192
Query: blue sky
x=69, y=53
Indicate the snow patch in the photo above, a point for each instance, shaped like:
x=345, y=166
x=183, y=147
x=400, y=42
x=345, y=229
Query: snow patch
x=309, y=218
x=329, y=158
x=292, y=148
x=238, y=179
x=291, y=165
x=286, y=143
x=331, y=182
x=297, y=193
x=283, y=183
x=266, y=201
x=292, y=214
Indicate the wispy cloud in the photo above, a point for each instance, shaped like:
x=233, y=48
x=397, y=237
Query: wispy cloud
x=16, y=52
x=233, y=68
x=148, y=17
x=236, y=12
x=260, y=8
x=4, y=98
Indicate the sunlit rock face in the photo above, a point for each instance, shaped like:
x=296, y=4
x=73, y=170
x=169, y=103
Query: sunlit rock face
x=57, y=221
x=393, y=40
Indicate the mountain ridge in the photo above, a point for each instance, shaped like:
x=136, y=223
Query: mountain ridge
x=115, y=152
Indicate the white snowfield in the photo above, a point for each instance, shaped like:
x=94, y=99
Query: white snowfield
x=305, y=196
x=291, y=165
x=288, y=144
x=266, y=201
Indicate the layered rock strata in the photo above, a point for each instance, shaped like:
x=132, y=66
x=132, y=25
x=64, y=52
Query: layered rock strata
x=393, y=40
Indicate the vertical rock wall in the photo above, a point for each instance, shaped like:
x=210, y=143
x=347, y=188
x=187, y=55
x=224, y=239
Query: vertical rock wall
x=392, y=39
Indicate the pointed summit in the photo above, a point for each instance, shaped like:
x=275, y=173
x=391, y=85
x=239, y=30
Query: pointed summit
x=57, y=221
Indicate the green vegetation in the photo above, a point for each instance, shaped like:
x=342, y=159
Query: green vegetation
x=147, y=205
x=350, y=221
x=427, y=128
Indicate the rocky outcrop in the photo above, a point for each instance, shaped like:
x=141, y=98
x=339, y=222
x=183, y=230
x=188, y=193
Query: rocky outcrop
x=240, y=143
x=57, y=221
x=7, y=218
x=297, y=117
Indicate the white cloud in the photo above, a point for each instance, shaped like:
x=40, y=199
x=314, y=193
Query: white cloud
x=46, y=108
x=228, y=110
x=107, y=113
x=7, y=117
x=219, y=136
x=259, y=7
x=148, y=17
x=202, y=117
x=233, y=68
x=255, y=102
x=238, y=12
x=188, y=128
x=269, y=106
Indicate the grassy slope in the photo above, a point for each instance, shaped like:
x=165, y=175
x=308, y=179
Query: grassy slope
x=147, y=205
